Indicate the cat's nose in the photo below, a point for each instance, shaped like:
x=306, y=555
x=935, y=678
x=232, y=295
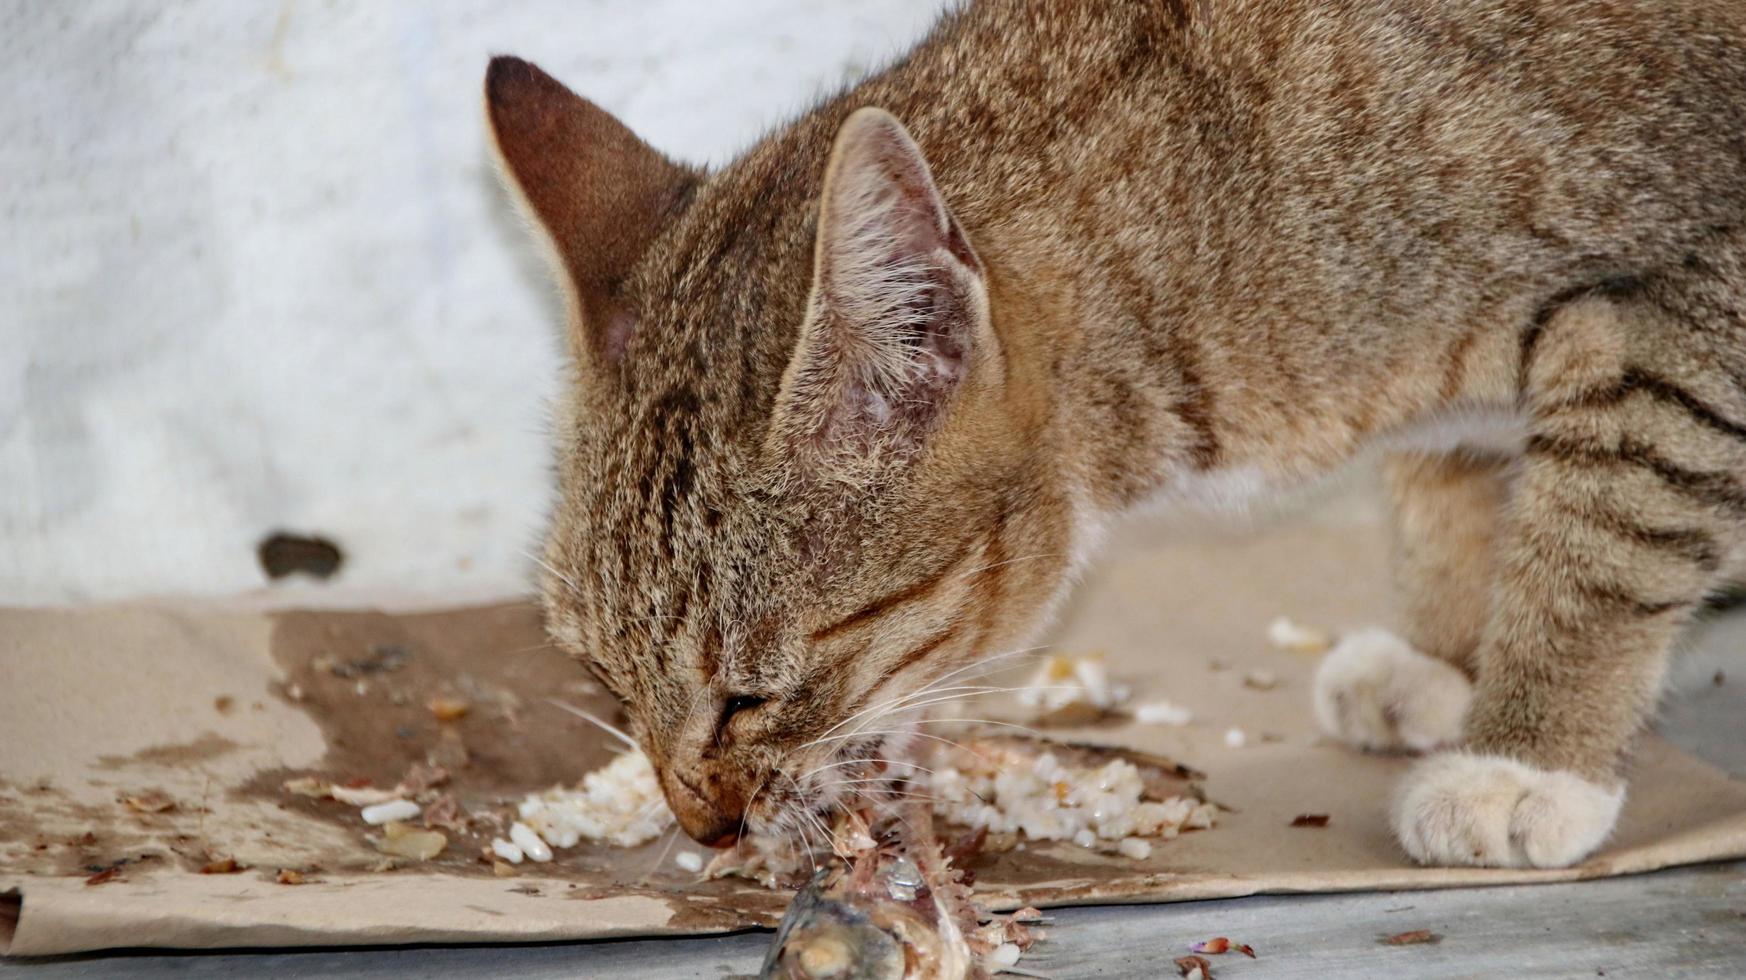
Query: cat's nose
x=706, y=818
x=723, y=839
x=711, y=829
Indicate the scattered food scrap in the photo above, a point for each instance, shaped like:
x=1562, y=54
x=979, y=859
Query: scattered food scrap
x=363, y=796
x=378, y=806
x=444, y=813
x=105, y=876
x=1310, y=820
x=1005, y=789
x=321, y=789
x=149, y=802
x=1135, y=848
x=507, y=851
x=689, y=861
x=1194, y=967
x=1417, y=937
x=421, y=777
x=1019, y=786
x=620, y=803
x=1221, y=944
x=289, y=876
x=526, y=840
x=895, y=908
x=1162, y=713
x=1236, y=738
x=1287, y=635
x=406, y=841
x=448, y=709
x=221, y=866
x=381, y=658
x=1261, y=680
x=1070, y=690
x=389, y=811
x=772, y=861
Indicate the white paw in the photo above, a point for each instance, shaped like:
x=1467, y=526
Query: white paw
x=1490, y=811
x=1375, y=692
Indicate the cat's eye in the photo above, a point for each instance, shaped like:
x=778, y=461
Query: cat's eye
x=736, y=704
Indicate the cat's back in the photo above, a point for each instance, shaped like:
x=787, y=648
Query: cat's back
x=1584, y=119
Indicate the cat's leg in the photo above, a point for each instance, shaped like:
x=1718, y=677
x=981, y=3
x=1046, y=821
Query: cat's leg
x=1379, y=693
x=1629, y=495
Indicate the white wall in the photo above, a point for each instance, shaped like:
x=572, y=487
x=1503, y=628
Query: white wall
x=256, y=272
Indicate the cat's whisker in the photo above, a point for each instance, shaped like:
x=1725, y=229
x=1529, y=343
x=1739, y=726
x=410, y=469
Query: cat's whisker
x=894, y=732
x=981, y=665
x=883, y=793
x=880, y=706
x=802, y=815
x=895, y=815
x=1028, y=730
x=856, y=762
x=933, y=686
x=893, y=705
x=805, y=838
x=960, y=697
x=987, y=663
x=884, y=782
x=651, y=806
x=691, y=712
x=672, y=836
x=959, y=745
x=746, y=813
x=589, y=716
x=819, y=825
x=552, y=570
x=1011, y=561
x=899, y=703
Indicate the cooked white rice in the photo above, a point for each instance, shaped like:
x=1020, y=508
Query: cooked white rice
x=1162, y=713
x=1287, y=635
x=1062, y=681
x=1002, y=788
x=1009, y=791
x=620, y=803
x=381, y=813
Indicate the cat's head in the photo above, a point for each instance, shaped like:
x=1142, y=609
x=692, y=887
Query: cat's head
x=802, y=478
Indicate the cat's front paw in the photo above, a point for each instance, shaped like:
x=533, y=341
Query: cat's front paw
x=1375, y=692
x=1461, y=809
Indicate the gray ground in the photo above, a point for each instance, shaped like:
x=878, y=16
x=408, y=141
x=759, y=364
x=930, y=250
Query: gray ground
x=1688, y=922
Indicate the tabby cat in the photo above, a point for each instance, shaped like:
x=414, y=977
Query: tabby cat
x=847, y=414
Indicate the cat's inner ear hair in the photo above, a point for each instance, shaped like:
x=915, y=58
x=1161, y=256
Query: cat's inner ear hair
x=899, y=315
x=600, y=194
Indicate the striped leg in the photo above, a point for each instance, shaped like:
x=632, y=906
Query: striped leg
x=1628, y=498
x=1446, y=510
x=1377, y=693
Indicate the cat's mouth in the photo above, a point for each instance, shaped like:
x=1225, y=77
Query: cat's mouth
x=870, y=774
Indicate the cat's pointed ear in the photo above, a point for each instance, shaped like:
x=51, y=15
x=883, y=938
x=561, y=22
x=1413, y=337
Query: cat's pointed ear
x=897, y=327
x=600, y=193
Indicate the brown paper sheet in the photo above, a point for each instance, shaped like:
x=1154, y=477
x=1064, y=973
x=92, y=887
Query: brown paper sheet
x=212, y=708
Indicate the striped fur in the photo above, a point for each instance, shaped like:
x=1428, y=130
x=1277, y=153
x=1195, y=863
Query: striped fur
x=1165, y=251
